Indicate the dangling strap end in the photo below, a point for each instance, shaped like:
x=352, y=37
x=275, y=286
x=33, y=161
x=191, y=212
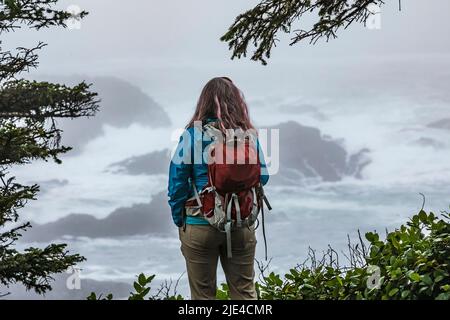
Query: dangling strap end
x=228, y=235
x=266, y=201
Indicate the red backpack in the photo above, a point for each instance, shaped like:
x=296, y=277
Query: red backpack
x=233, y=196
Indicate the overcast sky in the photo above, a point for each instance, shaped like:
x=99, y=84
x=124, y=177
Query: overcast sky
x=187, y=33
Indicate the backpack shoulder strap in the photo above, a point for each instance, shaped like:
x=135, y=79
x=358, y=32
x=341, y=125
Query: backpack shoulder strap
x=196, y=195
x=211, y=131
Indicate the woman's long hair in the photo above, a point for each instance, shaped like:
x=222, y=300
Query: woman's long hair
x=221, y=99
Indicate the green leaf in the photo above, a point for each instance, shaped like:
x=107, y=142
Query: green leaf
x=427, y=280
x=92, y=296
x=396, y=245
x=150, y=279
x=392, y=259
x=443, y=296
x=446, y=287
x=137, y=287
x=145, y=292
x=294, y=272
x=372, y=236
x=423, y=217
x=142, y=279
x=222, y=294
x=393, y=292
x=307, y=285
x=414, y=277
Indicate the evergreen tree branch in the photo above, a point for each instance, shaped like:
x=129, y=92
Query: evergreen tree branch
x=41, y=100
x=23, y=60
x=34, y=267
x=28, y=131
x=35, y=14
x=259, y=27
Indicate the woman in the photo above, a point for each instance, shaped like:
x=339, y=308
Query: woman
x=222, y=105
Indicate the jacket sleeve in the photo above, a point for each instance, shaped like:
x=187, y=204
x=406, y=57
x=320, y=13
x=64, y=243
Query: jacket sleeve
x=179, y=176
x=264, y=172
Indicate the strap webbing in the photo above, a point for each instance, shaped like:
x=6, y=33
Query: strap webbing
x=238, y=211
x=264, y=230
x=197, y=197
x=267, y=202
x=228, y=228
x=228, y=233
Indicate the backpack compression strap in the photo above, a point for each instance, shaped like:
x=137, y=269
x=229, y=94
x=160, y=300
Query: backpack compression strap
x=197, y=197
x=234, y=199
x=262, y=201
x=228, y=228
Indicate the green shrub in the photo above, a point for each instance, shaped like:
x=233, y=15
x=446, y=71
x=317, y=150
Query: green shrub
x=411, y=263
x=223, y=293
x=142, y=291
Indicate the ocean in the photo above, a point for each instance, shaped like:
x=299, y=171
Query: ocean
x=407, y=158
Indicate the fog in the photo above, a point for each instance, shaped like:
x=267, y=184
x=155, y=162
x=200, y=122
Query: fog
x=363, y=119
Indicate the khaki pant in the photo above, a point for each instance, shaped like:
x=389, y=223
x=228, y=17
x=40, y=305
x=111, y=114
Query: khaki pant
x=203, y=245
